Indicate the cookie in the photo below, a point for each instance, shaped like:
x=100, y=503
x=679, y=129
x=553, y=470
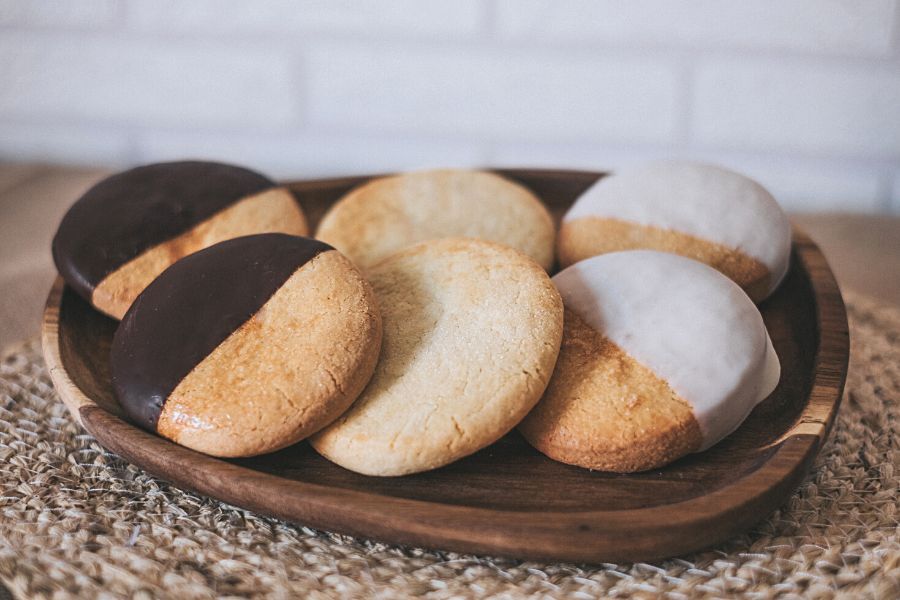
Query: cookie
x=128, y=228
x=390, y=213
x=471, y=332
x=661, y=356
x=700, y=211
x=247, y=346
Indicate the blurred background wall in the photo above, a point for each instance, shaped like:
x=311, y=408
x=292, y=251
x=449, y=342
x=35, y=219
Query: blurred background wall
x=802, y=94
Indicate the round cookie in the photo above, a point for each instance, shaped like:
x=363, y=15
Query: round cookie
x=707, y=213
x=661, y=356
x=128, y=228
x=247, y=346
x=390, y=213
x=471, y=333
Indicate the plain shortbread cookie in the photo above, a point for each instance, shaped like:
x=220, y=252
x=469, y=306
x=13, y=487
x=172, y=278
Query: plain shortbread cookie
x=390, y=213
x=471, y=333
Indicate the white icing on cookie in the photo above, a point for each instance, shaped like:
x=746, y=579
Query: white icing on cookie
x=705, y=201
x=689, y=324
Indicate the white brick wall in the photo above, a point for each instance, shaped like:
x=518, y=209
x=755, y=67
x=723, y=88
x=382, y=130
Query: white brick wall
x=53, y=13
x=66, y=144
x=832, y=26
x=405, y=17
x=802, y=94
x=302, y=155
x=118, y=78
x=521, y=95
x=797, y=106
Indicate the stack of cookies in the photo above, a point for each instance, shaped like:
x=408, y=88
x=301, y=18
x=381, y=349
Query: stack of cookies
x=422, y=324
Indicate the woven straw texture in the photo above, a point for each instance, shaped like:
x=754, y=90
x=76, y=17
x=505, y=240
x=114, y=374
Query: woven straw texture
x=78, y=521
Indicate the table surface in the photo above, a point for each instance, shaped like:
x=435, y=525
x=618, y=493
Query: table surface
x=863, y=250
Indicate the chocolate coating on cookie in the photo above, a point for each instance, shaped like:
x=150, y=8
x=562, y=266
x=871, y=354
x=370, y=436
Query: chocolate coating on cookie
x=191, y=308
x=130, y=212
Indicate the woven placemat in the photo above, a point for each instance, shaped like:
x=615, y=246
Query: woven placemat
x=78, y=521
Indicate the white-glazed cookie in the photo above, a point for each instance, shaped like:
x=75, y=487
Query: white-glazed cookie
x=390, y=213
x=471, y=333
x=707, y=213
x=661, y=356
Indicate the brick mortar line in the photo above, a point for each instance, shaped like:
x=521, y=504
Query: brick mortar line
x=311, y=131
x=437, y=41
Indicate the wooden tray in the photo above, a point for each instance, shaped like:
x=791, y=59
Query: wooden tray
x=508, y=499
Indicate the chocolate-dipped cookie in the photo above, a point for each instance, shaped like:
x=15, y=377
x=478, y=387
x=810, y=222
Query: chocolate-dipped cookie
x=707, y=213
x=247, y=346
x=128, y=228
x=376, y=219
x=661, y=356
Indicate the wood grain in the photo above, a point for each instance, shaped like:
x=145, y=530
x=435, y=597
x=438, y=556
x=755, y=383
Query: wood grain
x=508, y=499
